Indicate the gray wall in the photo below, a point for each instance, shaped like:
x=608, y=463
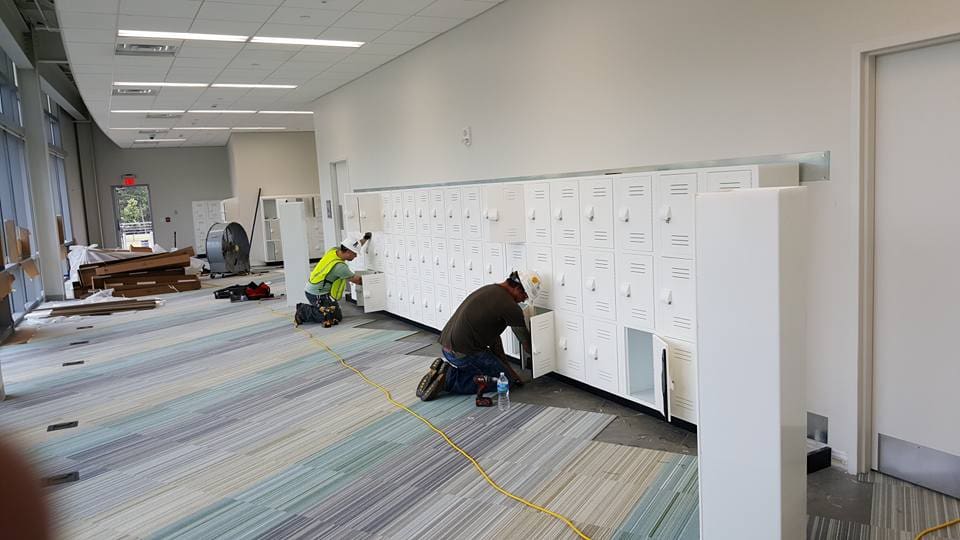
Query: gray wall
x=74, y=188
x=176, y=176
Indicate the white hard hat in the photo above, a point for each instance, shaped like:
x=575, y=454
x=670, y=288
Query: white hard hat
x=351, y=241
x=530, y=281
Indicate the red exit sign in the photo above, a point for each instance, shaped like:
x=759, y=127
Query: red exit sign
x=129, y=180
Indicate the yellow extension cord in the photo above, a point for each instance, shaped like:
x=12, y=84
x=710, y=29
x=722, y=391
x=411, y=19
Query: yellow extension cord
x=566, y=521
x=937, y=528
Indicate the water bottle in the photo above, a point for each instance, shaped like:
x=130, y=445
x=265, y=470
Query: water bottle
x=503, y=393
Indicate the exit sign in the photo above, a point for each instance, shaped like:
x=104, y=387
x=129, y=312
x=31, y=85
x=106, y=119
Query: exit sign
x=129, y=180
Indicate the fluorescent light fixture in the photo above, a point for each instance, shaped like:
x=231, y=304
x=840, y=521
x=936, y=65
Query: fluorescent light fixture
x=199, y=128
x=180, y=35
x=224, y=111
x=303, y=41
x=286, y=112
x=178, y=84
x=233, y=85
x=158, y=140
x=155, y=111
x=253, y=128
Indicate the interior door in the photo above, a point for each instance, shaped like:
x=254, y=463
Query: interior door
x=542, y=336
x=661, y=374
x=374, y=292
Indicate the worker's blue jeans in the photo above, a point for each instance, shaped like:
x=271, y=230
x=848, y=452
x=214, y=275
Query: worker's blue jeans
x=462, y=370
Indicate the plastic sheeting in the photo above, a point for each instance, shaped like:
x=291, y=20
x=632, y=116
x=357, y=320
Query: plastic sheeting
x=80, y=255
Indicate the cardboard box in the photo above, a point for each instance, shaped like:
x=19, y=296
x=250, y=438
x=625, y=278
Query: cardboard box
x=30, y=268
x=23, y=236
x=6, y=284
x=10, y=240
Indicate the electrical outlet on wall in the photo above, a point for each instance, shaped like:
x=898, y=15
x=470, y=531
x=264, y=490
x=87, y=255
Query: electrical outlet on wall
x=466, y=137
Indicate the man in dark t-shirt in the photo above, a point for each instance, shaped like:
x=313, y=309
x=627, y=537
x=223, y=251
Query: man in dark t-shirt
x=473, y=354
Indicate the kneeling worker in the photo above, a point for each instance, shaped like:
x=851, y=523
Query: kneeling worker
x=327, y=282
x=473, y=356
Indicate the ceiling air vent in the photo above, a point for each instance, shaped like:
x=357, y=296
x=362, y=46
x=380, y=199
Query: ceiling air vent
x=145, y=49
x=164, y=115
x=127, y=91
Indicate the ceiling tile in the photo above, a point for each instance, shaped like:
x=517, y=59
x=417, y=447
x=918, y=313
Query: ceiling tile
x=89, y=35
x=88, y=6
x=399, y=7
x=236, y=28
x=429, y=24
x=322, y=55
x=351, y=34
x=385, y=48
x=209, y=50
x=205, y=63
x=399, y=37
x=241, y=76
x=288, y=30
x=91, y=69
x=161, y=24
x=337, y=5
x=71, y=19
x=131, y=102
x=136, y=74
x=166, y=8
x=305, y=16
x=90, y=53
x=271, y=56
x=235, y=12
x=255, y=2
x=463, y=9
x=192, y=74
x=374, y=21
x=160, y=65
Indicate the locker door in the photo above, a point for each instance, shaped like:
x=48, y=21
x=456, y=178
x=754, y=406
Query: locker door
x=601, y=363
x=471, y=213
x=403, y=298
x=396, y=209
x=428, y=311
x=674, y=206
x=596, y=216
x=676, y=298
x=442, y=306
x=386, y=212
x=565, y=205
x=453, y=212
x=456, y=258
x=437, y=218
x=570, y=345
x=410, y=212
x=425, y=260
x=473, y=265
x=566, y=279
x=400, y=255
x=516, y=258
x=633, y=196
x=370, y=213
x=393, y=299
x=635, y=290
x=663, y=382
x=494, y=262
x=503, y=213
x=682, y=362
x=540, y=260
x=374, y=255
x=351, y=212
x=599, y=285
x=411, y=250
x=414, y=311
x=457, y=296
x=726, y=180
x=374, y=292
x=441, y=262
x=536, y=200
x=388, y=254
x=422, y=209
x=542, y=336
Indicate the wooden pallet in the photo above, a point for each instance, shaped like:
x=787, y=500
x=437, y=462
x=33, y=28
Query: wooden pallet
x=151, y=290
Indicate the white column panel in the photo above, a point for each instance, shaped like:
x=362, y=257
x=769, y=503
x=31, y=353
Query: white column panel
x=296, y=258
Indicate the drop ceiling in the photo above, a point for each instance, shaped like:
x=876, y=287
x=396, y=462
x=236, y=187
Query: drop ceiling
x=89, y=29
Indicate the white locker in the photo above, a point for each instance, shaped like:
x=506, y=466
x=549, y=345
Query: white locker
x=414, y=310
x=370, y=213
x=645, y=369
x=386, y=212
x=599, y=285
x=393, y=298
x=633, y=209
x=400, y=255
x=422, y=209
x=473, y=265
x=503, y=213
x=494, y=262
x=396, y=210
x=570, y=345
x=453, y=212
x=410, y=212
x=565, y=205
x=676, y=298
x=635, y=290
x=726, y=180
x=516, y=258
x=437, y=218
x=540, y=260
x=683, y=372
x=536, y=201
x=375, y=252
x=351, y=212
x=441, y=262
x=442, y=305
x=674, y=198
x=601, y=363
x=471, y=213
x=457, y=296
x=596, y=215
x=411, y=249
x=403, y=298
x=428, y=311
x=456, y=258
x=566, y=279
x=542, y=347
x=388, y=254
x=425, y=259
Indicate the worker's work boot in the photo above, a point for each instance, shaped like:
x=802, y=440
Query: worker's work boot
x=429, y=377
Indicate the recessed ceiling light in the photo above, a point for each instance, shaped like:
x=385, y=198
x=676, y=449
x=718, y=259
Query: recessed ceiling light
x=158, y=140
x=224, y=111
x=250, y=128
x=233, y=85
x=286, y=112
x=155, y=111
x=303, y=41
x=181, y=84
x=180, y=35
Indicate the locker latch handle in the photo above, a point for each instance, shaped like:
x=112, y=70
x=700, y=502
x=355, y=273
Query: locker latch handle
x=363, y=215
x=562, y=343
x=562, y=279
x=490, y=269
x=558, y=214
x=453, y=263
x=419, y=212
x=666, y=214
x=423, y=259
x=436, y=261
x=466, y=213
x=492, y=214
x=450, y=214
x=592, y=352
x=532, y=214
x=589, y=213
x=625, y=289
x=624, y=215
x=469, y=265
x=666, y=296
x=591, y=284
x=434, y=213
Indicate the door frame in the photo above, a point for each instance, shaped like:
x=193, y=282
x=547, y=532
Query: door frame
x=116, y=211
x=864, y=128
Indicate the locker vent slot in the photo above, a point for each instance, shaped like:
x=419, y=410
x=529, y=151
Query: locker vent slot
x=542, y=258
x=569, y=260
x=540, y=234
x=599, y=192
x=680, y=401
x=539, y=194
x=601, y=236
x=636, y=191
x=679, y=272
x=684, y=323
x=568, y=234
x=729, y=185
x=601, y=264
x=680, y=240
x=572, y=326
x=510, y=195
x=572, y=303
x=637, y=238
x=679, y=189
x=638, y=313
x=604, y=376
x=568, y=193
x=604, y=334
x=603, y=307
x=682, y=354
x=472, y=196
x=638, y=268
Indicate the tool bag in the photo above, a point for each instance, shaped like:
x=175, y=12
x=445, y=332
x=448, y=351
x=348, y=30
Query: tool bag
x=326, y=311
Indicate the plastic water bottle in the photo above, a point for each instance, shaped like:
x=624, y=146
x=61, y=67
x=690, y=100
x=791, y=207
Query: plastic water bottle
x=503, y=393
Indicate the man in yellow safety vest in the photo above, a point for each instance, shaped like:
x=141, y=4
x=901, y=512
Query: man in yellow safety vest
x=327, y=282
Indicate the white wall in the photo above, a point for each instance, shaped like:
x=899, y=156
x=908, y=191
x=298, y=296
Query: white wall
x=566, y=85
x=176, y=176
x=280, y=163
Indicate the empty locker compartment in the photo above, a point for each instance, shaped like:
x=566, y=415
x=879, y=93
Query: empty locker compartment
x=648, y=377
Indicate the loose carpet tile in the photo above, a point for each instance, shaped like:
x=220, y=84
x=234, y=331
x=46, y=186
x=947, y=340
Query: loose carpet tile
x=206, y=419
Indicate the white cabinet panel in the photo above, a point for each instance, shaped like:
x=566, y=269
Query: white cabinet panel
x=438, y=226
x=674, y=206
x=596, y=213
x=411, y=252
x=600, y=350
x=635, y=290
x=400, y=255
x=370, y=213
x=566, y=279
x=414, y=310
x=540, y=260
x=676, y=298
x=516, y=258
x=442, y=305
x=471, y=212
x=536, y=200
x=441, y=261
x=599, y=285
x=726, y=180
x=494, y=262
x=473, y=265
x=569, y=328
x=683, y=373
x=428, y=309
x=565, y=205
x=543, y=350
x=396, y=212
x=455, y=265
x=422, y=209
x=503, y=213
x=386, y=211
x=374, y=292
x=453, y=212
x=410, y=212
x=425, y=259
x=633, y=212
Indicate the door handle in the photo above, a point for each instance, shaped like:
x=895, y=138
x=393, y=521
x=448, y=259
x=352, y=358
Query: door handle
x=589, y=212
x=624, y=215
x=562, y=344
x=450, y=214
x=558, y=214
x=466, y=213
x=666, y=296
x=666, y=214
x=591, y=284
x=625, y=290
x=561, y=279
x=532, y=214
x=592, y=352
x=492, y=214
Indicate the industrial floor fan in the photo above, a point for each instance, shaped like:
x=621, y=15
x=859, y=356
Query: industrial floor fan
x=228, y=249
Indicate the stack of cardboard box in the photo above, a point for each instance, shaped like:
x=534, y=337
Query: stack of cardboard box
x=155, y=273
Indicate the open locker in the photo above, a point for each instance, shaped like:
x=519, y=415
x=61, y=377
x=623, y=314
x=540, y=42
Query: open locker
x=374, y=292
x=648, y=375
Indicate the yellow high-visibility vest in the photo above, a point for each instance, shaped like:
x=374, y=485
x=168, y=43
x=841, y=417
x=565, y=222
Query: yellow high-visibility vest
x=320, y=271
